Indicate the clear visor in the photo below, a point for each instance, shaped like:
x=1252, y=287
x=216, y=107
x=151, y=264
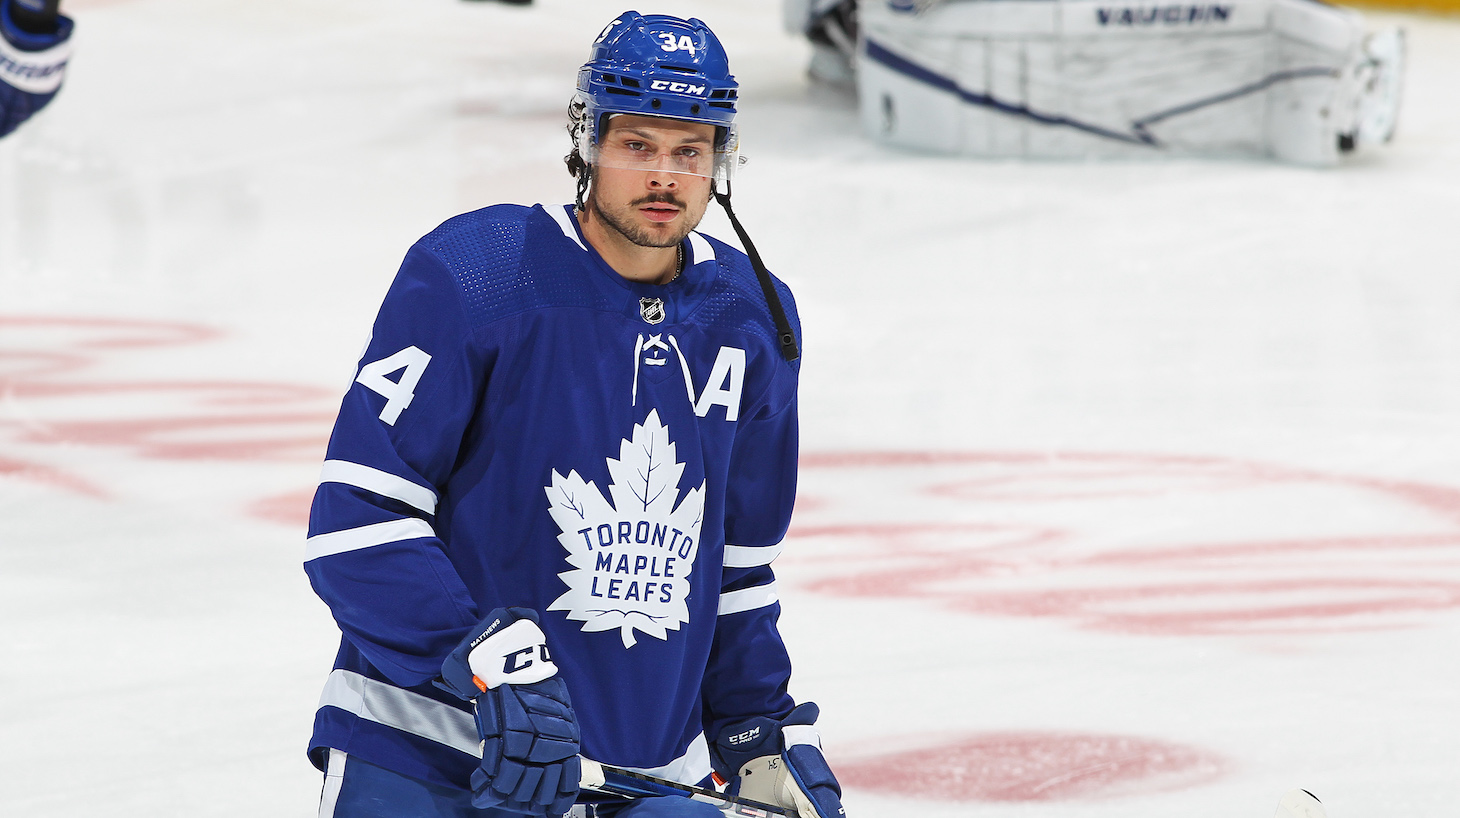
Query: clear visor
x=664, y=150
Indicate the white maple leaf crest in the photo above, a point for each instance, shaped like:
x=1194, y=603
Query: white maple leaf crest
x=631, y=555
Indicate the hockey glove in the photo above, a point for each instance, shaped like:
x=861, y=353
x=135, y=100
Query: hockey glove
x=780, y=762
x=529, y=732
x=34, y=48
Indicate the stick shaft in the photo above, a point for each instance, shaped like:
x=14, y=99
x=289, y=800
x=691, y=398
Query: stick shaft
x=634, y=784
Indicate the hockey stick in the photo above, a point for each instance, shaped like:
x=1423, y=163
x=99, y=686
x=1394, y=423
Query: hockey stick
x=634, y=784
x=1298, y=803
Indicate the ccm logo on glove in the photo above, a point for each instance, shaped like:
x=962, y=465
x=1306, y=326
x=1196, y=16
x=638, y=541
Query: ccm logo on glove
x=741, y=738
x=517, y=654
x=522, y=659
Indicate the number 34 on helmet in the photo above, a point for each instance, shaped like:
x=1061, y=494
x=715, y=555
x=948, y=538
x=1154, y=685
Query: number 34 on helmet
x=662, y=66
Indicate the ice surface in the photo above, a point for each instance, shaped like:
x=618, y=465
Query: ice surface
x=1130, y=489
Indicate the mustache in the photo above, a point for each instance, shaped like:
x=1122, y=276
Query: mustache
x=658, y=198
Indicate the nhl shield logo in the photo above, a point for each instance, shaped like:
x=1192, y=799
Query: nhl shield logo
x=651, y=309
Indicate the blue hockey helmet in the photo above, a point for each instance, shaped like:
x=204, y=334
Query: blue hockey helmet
x=662, y=66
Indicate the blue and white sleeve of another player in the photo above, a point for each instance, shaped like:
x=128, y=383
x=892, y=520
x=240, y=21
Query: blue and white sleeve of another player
x=373, y=553
x=32, y=65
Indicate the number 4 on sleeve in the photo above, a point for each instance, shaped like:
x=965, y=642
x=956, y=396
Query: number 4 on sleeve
x=398, y=393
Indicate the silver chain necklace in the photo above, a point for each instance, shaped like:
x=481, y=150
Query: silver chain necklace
x=678, y=263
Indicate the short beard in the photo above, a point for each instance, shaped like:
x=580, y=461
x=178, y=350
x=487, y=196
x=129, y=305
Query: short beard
x=637, y=234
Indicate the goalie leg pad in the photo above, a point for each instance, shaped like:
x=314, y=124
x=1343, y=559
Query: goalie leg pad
x=1292, y=80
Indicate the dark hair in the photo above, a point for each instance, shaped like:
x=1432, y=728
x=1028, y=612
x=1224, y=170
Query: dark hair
x=578, y=168
x=575, y=163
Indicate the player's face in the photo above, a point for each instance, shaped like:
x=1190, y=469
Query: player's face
x=652, y=181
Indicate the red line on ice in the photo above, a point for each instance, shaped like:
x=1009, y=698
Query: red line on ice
x=1033, y=766
x=1056, y=567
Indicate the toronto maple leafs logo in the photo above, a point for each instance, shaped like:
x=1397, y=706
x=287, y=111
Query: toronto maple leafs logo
x=631, y=553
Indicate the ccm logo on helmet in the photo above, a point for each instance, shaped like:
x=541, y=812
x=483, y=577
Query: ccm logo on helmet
x=677, y=87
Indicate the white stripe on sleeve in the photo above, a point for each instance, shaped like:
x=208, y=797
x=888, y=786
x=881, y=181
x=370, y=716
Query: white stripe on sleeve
x=750, y=556
x=352, y=539
x=383, y=483
x=413, y=713
x=690, y=768
x=403, y=710
x=748, y=599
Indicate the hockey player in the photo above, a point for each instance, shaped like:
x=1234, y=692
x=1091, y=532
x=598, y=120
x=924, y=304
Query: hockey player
x=35, y=44
x=553, y=493
x=1295, y=80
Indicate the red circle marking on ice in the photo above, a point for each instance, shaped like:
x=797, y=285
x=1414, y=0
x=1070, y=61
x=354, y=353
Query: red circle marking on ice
x=1034, y=767
x=291, y=509
x=1067, y=535
x=55, y=368
x=48, y=475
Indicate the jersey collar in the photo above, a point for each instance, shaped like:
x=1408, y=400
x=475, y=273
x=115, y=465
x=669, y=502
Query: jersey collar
x=680, y=296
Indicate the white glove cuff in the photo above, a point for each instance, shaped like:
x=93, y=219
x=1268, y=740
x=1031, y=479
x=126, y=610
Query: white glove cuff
x=793, y=734
x=517, y=654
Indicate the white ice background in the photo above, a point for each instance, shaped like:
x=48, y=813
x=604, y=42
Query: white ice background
x=1131, y=355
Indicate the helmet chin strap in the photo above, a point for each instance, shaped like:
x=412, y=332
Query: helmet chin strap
x=787, y=338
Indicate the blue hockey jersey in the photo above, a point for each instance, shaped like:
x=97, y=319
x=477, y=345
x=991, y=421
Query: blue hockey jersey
x=528, y=428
